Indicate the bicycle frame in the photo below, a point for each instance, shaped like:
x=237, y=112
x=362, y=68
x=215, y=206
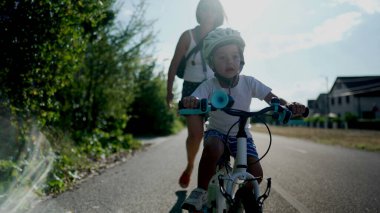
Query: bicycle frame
x=222, y=190
x=230, y=179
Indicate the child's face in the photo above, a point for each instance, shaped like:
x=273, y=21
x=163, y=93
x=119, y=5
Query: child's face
x=227, y=60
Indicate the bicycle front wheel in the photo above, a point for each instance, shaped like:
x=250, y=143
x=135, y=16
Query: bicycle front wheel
x=245, y=201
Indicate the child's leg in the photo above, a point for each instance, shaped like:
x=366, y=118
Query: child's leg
x=212, y=151
x=255, y=168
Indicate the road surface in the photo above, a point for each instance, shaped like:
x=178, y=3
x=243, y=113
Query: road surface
x=307, y=177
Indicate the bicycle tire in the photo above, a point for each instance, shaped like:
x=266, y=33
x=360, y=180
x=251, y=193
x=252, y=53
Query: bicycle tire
x=245, y=198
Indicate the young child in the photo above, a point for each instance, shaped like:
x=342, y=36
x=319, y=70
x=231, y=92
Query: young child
x=223, y=50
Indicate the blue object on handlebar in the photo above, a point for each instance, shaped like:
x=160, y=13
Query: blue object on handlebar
x=202, y=108
x=221, y=99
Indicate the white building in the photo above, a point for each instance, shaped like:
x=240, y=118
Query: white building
x=359, y=96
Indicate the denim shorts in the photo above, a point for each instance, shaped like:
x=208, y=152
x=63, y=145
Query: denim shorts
x=189, y=87
x=232, y=143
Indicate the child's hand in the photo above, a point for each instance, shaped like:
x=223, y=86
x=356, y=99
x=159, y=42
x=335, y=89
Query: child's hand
x=296, y=108
x=190, y=102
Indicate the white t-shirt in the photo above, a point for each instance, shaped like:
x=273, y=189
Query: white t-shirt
x=194, y=72
x=247, y=88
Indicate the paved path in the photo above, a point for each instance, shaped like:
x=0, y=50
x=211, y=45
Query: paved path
x=307, y=177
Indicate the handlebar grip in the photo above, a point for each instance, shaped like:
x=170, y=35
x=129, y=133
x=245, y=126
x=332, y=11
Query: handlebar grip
x=202, y=108
x=305, y=114
x=180, y=105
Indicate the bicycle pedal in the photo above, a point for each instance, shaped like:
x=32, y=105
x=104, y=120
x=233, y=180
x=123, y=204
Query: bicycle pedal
x=191, y=209
x=201, y=211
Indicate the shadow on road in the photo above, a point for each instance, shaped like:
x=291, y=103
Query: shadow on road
x=181, y=196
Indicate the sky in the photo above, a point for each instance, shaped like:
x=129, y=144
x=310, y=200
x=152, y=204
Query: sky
x=296, y=47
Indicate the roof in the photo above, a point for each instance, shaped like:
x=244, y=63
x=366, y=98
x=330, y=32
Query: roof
x=322, y=96
x=358, y=85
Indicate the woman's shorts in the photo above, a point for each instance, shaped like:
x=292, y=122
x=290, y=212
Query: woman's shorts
x=189, y=87
x=232, y=143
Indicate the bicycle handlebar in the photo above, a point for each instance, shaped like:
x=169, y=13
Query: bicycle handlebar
x=221, y=101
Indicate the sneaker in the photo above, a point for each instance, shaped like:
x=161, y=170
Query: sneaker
x=184, y=180
x=196, y=200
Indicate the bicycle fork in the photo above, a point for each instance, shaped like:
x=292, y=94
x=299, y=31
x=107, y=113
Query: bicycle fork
x=240, y=170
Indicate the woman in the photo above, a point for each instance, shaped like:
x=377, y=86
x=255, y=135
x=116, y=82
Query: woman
x=210, y=15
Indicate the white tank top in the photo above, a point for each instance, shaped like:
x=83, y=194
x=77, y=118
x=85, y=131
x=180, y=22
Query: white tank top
x=194, y=68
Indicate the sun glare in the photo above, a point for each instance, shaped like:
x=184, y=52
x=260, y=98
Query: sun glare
x=242, y=13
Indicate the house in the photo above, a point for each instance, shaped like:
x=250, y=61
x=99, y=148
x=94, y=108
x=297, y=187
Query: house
x=359, y=96
x=320, y=105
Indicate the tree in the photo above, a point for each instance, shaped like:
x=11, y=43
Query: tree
x=43, y=44
x=103, y=88
x=150, y=114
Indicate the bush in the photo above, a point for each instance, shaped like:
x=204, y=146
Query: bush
x=151, y=116
x=349, y=117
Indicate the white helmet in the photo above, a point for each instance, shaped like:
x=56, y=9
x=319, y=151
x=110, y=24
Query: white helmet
x=220, y=37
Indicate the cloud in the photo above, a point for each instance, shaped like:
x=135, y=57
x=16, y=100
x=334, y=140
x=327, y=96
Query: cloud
x=368, y=6
x=332, y=30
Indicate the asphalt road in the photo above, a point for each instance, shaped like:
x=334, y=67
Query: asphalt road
x=307, y=177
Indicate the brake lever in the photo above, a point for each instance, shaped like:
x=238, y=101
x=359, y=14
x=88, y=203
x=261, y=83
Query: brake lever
x=280, y=113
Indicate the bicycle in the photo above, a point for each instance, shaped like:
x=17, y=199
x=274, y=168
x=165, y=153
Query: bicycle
x=226, y=190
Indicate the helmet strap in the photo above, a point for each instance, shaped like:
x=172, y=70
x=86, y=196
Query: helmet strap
x=242, y=63
x=227, y=82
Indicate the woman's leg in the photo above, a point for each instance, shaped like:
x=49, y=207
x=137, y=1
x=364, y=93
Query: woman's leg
x=194, y=128
x=194, y=138
x=212, y=152
x=195, y=135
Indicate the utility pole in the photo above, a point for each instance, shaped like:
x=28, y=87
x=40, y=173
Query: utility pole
x=327, y=103
x=327, y=108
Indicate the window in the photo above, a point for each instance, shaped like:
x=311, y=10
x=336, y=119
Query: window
x=332, y=101
x=347, y=99
x=339, y=100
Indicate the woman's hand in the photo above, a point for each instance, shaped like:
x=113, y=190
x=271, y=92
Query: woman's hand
x=169, y=99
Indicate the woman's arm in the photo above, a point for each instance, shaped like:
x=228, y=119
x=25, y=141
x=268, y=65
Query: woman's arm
x=180, y=51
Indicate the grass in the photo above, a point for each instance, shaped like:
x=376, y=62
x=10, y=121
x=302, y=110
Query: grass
x=350, y=138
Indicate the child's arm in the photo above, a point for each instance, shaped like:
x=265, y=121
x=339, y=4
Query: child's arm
x=269, y=97
x=296, y=108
